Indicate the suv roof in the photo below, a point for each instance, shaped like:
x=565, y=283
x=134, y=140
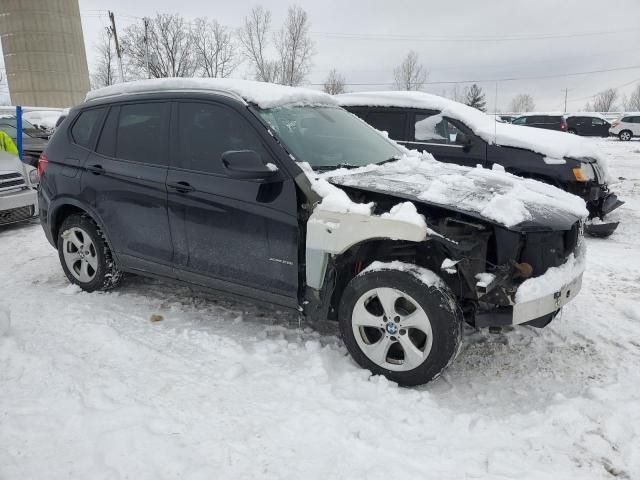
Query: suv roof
x=264, y=95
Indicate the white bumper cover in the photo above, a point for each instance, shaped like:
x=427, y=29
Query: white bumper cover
x=20, y=198
x=551, y=291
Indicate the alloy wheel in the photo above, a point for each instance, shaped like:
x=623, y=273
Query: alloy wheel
x=392, y=329
x=80, y=254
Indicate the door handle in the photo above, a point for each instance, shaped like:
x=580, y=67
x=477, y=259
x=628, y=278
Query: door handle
x=181, y=187
x=96, y=169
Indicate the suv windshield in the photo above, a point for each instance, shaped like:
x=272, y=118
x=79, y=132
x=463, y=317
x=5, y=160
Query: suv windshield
x=328, y=137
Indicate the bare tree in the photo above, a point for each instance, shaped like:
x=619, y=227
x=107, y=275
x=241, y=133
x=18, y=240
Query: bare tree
x=170, y=47
x=603, y=101
x=295, y=47
x=410, y=74
x=475, y=97
x=334, y=84
x=522, y=103
x=105, y=72
x=215, y=48
x=633, y=102
x=254, y=38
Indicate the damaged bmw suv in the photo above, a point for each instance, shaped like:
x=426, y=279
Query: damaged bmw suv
x=279, y=195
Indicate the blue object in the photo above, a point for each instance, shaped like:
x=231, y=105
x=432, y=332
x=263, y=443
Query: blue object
x=19, y=130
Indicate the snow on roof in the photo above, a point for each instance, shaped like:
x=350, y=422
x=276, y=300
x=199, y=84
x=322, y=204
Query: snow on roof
x=530, y=114
x=555, y=146
x=265, y=95
x=585, y=114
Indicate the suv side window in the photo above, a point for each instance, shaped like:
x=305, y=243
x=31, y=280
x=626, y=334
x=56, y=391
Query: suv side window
x=635, y=119
x=207, y=130
x=520, y=121
x=596, y=122
x=141, y=136
x=86, y=126
x=434, y=129
x=627, y=120
x=391, y=122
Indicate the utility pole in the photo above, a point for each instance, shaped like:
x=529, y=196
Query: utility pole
x=115, y=38
x=146, y=44
x=566, y=90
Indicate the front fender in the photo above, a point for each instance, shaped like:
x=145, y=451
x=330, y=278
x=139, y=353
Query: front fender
x=333, y=233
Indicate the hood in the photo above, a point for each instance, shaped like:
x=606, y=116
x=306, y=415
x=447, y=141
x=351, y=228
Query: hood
x=10, y=163
x=491, y=195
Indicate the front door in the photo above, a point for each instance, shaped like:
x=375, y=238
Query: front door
x=228, y=233
x=441, y=137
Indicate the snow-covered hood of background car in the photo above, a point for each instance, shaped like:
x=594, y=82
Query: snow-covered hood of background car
x=10, y=163
x=497, y=196
x=554, y=146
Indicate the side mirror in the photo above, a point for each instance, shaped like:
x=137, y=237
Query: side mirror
x=463, y=139
x=247, y=164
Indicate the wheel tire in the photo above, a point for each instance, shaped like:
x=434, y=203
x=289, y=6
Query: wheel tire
x=625, y=135
x=442, y=312
x=572, y=131
x=85, y=256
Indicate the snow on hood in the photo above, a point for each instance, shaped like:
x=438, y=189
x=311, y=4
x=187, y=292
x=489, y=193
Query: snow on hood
x=265, y=95
x=555, y=146
x=494, y=195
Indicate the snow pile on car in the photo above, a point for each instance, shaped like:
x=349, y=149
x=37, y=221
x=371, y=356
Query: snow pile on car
x=264, y=95
x=555, y=146
x=499, y=196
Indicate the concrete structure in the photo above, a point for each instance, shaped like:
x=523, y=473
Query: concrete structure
x=44, y=56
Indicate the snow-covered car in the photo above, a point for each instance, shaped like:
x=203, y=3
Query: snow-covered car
x=18, y=199
x=277, y=194
x=455, y=133
x=626, y=127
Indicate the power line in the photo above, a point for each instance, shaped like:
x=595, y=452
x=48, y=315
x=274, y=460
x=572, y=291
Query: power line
x=507, y=79
x=467, y=38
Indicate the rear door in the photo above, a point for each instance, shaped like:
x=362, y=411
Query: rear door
x=228, y=233
x=440, y=136
x=125, y=180
x=598, y=127
x=394, y=122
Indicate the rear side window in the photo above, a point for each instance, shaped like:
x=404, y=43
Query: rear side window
x=552, y=120
x=391, y=122
x=207, y=130
x=136, y=132
x=520, y=121
x=635, y=119
x=86, y=126
x=627, y=120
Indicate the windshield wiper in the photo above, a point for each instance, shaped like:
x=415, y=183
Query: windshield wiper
x=324, y=168
x=389, y=160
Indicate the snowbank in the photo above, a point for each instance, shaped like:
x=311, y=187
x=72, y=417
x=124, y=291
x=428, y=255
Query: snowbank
x=265, y=95
x=553, y=145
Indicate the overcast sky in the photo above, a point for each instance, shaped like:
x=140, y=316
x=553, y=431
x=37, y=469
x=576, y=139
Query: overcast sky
x=457, y=40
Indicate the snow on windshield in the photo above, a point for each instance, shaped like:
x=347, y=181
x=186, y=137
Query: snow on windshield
x=265, y=95
x=553, y=145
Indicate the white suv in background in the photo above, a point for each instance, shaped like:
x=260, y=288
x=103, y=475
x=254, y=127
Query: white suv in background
x=626, y=127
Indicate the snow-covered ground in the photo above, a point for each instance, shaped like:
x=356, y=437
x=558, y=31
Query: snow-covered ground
x=91, y=388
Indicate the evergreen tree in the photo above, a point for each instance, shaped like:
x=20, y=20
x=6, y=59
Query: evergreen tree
x=474, y=97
